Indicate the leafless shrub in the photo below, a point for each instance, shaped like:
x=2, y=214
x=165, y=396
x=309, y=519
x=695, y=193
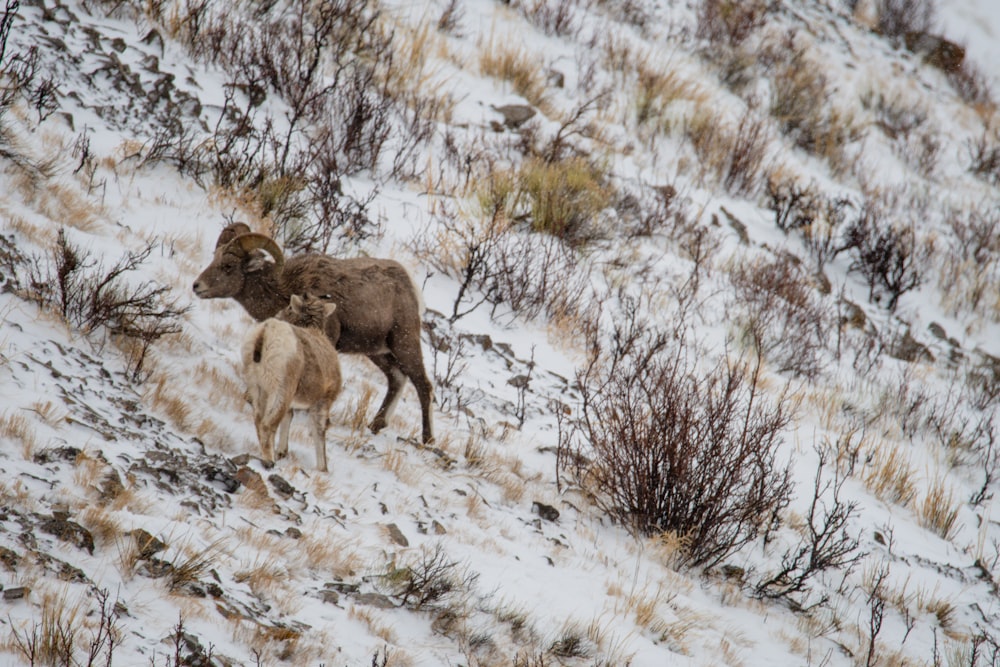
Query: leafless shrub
x=500, y=265
x=57, y=638
x=803, y=104
x=825, y=545
x=451, y=17
x=653, y=209
x=630, y=12
x=669, y=448
x=891, y=258
x=553, y=17
x=972, y=86
x=985, y=155
x=896, y=18
x=429, y=581
x=729, y=23
x=785, y=320
x=734, y=154
x=91, y=297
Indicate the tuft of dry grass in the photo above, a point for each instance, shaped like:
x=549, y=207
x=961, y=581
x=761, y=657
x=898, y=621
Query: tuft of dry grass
x=503, y=57
x=889, y=474
x=19, y=428
x=938, y=510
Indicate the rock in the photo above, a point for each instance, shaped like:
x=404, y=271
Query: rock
x=153, y=568
x=555, y=78
x=376, y=600
x=519, y=381
x=54, y=454
x=9, y=558
x=229, y=483
x=281, y=486
x=111, y=486
x=544, y=511
x=909, y=349
x=329, y=596
x=68, y=531
x=514, y=115
x=15, y=593
x=937, y=331
x=396, y=535
x=147, y=544
x=293, y=533
x=853, y=316
x=936, y=50
x=251, y=479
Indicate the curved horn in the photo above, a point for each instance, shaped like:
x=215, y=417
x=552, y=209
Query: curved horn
x=231, y=232
x=254, y=241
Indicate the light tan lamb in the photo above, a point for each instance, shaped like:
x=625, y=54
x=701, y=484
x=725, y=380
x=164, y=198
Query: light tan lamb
x=290, y=364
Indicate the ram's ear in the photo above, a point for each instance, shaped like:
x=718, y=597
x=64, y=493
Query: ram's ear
x=258, y=261
x=296, y=302
x=328, y=309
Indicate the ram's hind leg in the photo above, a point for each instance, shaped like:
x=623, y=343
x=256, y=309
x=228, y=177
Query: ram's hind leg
x=396, y=380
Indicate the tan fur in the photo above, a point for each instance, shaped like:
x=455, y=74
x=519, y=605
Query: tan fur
x=292, y=365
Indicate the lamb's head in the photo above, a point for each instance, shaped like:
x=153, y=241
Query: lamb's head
x=307, y=311
x=239, y=254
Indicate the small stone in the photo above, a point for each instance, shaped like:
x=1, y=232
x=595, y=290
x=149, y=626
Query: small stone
x=251, y=479
x=147, y=544
x=376, y=600
x=293, y=533
x=15, y=593
x=230, y=484
x=396, y=535
x=544, y=511
x=281, y=486
x=68, y=531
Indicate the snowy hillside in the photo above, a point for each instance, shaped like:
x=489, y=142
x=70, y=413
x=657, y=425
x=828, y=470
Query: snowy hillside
x=712, y=311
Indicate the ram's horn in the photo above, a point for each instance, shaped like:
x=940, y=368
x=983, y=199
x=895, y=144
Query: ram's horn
x=253, y=241
x=231, y=232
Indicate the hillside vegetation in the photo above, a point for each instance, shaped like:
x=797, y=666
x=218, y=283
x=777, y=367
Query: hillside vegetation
x=712, y=297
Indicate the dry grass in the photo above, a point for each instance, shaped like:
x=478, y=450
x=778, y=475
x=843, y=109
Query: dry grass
x=658, y=87
x=889, y=474
x=503, y=57
x=938, y=510
x=19, y=428
x=51, y=413
x=103, y=525
x=191, y=563
x=375, y=621
x=334, y=556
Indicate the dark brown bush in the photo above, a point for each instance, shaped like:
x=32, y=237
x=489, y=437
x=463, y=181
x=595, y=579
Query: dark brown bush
x=668, y=447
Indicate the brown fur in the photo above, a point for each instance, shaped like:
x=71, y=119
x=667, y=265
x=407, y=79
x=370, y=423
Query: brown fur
x=377, y=315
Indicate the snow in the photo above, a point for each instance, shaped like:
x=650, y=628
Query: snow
x=582, y=575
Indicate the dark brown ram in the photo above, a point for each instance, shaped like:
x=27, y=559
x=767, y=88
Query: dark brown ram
x=378, y=306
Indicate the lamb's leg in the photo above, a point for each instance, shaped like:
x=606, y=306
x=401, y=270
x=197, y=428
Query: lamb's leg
x=286, y=423
x=319, y=418
x=265, y=435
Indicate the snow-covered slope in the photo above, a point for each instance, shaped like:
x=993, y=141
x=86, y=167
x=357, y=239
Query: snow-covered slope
x=132, y=493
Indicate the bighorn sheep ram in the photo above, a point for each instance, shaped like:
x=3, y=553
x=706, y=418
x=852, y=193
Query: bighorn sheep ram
x=288, y=362
x=378, y=306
